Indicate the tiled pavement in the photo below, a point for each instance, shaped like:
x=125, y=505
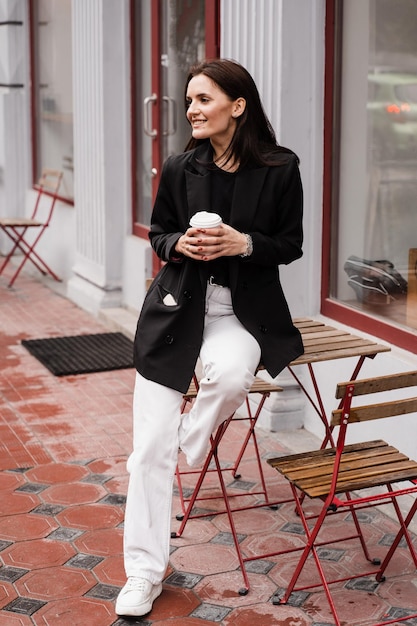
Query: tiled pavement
x=63, y=448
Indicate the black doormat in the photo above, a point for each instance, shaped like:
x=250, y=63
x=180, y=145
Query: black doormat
x=82, y=354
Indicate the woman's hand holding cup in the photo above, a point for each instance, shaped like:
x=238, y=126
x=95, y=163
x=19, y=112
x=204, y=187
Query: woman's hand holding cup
x=208, y=238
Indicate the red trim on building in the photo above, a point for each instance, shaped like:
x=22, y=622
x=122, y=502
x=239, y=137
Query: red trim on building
x=133, y=105
x=407, y=340
x=212, y=22
x=328, y=147
x=33, y=134
x=331, y=308
x=156, y=80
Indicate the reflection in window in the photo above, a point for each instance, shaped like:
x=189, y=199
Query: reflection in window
x=53, y=89
x=375, y=237
x=180, y=32
x=183, y=42
x=143, y=124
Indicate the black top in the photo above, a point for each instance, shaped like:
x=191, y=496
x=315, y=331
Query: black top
x=222, y=188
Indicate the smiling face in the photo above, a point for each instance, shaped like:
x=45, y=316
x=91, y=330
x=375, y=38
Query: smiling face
x=211, y=113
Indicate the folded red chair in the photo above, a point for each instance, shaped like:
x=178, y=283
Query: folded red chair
x=20, y=229
x=213, y=464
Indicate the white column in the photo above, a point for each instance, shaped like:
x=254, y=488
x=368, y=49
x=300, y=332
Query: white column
x=101, y=150
x=281, y=43
x=301, y=128
x=251, y=34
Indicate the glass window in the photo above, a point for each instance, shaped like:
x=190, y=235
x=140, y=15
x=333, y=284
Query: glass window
x=52, y=84
x=373, y=255
x=167, y=40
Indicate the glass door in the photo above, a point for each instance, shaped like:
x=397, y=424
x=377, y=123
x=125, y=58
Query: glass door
x=168, y=37
x=144, y=111
x=182, y=45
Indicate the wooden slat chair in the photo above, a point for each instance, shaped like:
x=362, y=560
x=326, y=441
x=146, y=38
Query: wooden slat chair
x=18, y=228
x=263, y=388
x=337, y=476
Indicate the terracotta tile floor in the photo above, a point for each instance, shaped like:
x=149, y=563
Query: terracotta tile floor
x=64, y=444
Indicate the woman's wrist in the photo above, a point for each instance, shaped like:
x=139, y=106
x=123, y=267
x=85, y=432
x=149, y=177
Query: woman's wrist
x=176, y=255
x=177, y=247
x=249, y=246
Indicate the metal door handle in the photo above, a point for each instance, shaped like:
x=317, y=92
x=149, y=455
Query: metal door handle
x=147, y=115
x=171, y=116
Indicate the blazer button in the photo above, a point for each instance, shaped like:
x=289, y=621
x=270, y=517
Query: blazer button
x=169, y=339
x=187, y=294
x=263, y=329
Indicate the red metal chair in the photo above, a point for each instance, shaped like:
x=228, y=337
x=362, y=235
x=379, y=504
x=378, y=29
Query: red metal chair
x=348, y=479
x=18, y=228
x=263, y=388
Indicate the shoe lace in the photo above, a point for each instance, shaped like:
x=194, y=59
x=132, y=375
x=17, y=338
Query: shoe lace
x=135, y=583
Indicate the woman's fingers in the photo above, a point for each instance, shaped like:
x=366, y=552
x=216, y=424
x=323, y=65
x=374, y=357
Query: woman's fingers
x=209, y=244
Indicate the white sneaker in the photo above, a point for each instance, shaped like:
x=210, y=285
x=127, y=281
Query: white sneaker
x=137, y=596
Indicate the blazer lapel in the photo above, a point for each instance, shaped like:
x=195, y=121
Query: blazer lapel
x=198, y=181
x=248, y=188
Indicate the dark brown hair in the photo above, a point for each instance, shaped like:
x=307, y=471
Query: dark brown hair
x=254, y=141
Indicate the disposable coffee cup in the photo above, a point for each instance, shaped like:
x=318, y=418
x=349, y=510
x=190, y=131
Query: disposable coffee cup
x=205, y=219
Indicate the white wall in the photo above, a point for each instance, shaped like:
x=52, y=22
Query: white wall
x=137, y=267
x=102, y=139
x=281, y=43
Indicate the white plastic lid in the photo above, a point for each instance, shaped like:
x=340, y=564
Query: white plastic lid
x=205, y=219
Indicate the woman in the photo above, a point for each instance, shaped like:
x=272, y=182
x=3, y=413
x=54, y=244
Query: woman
x=218, y=297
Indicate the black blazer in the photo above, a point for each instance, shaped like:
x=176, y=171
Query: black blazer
x=267, y=203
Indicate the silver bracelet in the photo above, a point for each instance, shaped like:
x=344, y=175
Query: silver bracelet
x=249, y=246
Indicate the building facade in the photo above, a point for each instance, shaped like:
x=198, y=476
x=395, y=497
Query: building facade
x=94, y=88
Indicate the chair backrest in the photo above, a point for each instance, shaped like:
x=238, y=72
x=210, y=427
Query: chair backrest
x=347, y=390
x=48, y=185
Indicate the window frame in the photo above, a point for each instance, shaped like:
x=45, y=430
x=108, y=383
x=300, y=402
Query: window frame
x=34, y=104
x=330, y=307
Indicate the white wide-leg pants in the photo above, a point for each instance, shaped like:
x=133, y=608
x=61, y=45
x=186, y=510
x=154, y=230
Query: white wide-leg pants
x=229, y=356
